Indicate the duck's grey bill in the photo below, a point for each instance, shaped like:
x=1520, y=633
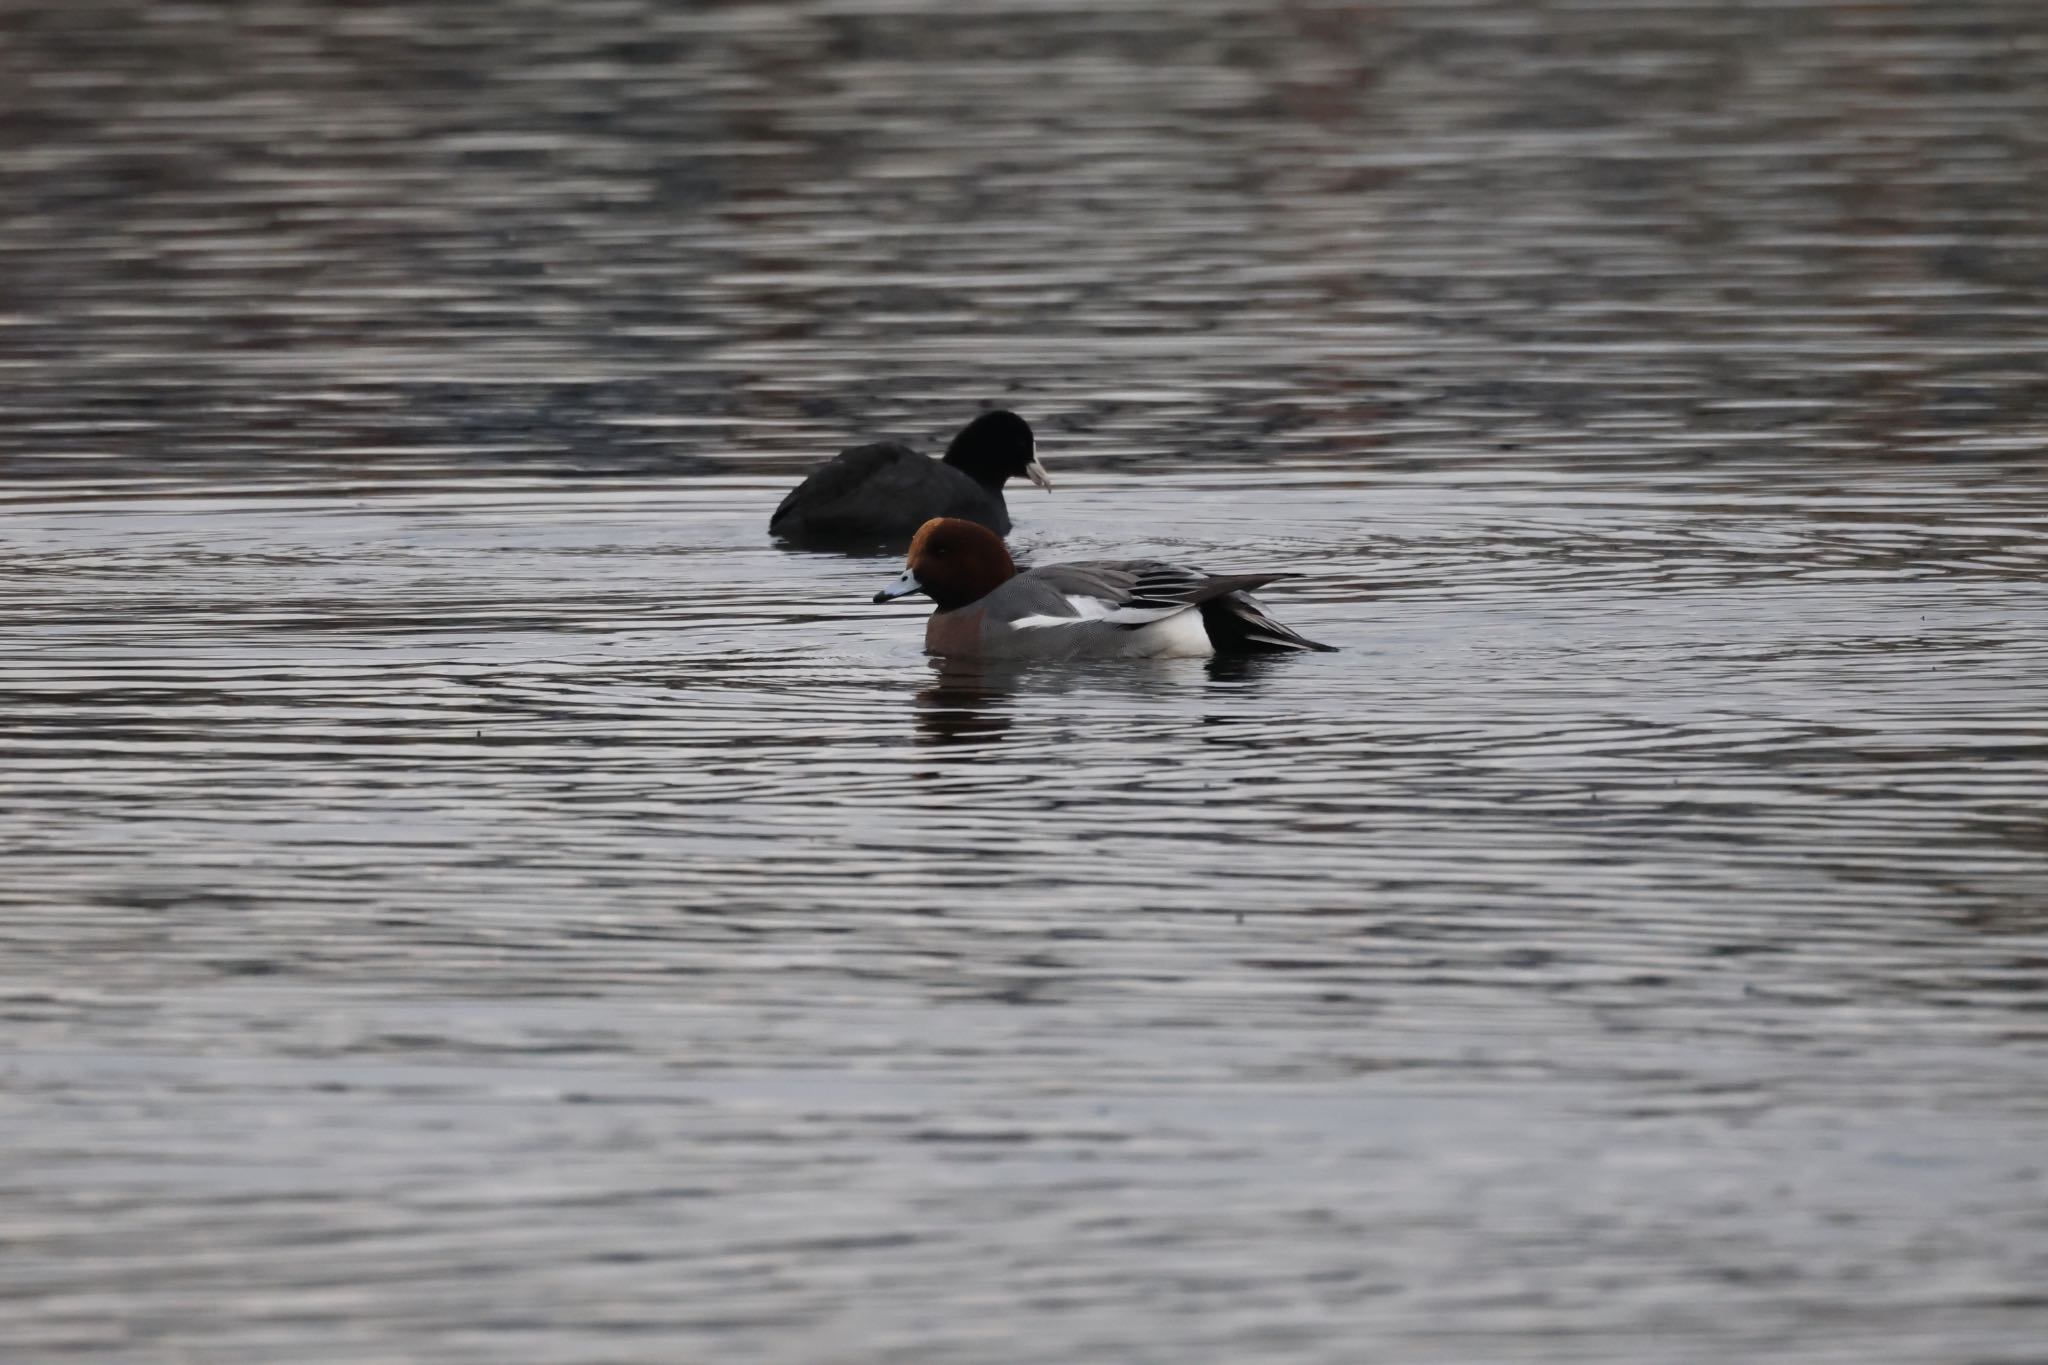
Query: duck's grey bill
x=906, y=583
x=1036, y=473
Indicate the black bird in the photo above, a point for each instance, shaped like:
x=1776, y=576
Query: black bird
x=885, y=491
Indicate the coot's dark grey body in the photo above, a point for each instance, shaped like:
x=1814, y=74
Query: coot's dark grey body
x=883, y=492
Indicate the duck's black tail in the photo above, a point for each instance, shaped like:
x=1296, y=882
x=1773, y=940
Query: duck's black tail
x=1239, y=625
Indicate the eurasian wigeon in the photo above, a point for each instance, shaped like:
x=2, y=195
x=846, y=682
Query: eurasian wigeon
x=1103, y=609
x=885, y=491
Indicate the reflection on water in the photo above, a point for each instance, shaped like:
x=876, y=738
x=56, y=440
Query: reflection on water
x=965, y=702
x=470, y=896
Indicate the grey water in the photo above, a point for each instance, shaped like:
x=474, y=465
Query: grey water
x=466, y=895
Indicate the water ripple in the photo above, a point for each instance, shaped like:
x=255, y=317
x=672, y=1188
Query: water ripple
x=470, y=897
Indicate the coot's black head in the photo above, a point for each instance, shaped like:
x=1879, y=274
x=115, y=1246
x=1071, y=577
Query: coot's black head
x=997, y=446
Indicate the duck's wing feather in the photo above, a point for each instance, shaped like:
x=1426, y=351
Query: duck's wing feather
x=1128, y=592
x=1237, y=624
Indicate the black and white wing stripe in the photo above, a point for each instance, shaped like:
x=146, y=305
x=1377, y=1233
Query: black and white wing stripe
x=1160, y=590
x=1132, y=593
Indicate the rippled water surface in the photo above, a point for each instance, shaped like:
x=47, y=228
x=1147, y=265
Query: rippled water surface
x=470, y=897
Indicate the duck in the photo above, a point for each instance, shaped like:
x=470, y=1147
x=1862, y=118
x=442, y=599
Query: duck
x=1098, y=609
x=886, y=491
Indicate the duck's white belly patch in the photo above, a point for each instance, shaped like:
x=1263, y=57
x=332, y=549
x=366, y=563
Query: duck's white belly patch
x=1181, y=635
